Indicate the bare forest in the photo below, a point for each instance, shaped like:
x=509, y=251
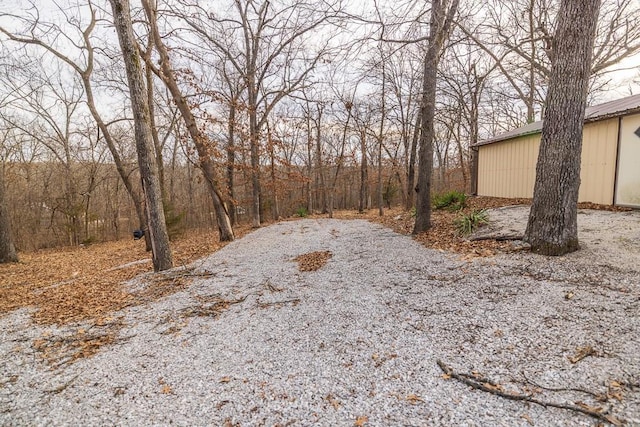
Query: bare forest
x=240, y=112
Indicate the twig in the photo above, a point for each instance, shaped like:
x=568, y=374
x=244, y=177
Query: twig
x=269, y=286
x=497, y=237
x=268, y=304
x=61, y=388
x=579, y=390
x=490, y=388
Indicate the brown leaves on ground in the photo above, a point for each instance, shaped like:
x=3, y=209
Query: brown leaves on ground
x=443, y=234
x=87, y=283
x=78, y=343
x=312, y=261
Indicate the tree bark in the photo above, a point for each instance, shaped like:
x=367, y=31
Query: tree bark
x=553, y=221
x=440, y=24
x=231, y=160
x=364, y=173
x=160, y=249
x=411, y=170
x=321, y=187
x=381, y=140
x=7, y=248
x=340, y=160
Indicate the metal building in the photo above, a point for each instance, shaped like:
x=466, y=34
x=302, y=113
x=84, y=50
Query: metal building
x=610, y=166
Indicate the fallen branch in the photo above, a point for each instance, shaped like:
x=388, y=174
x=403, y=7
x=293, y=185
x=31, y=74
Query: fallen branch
x=497, y=237
x=559, y=389
x=210, y=310
x=61, y=387
x=293, y=301
x=494, y=388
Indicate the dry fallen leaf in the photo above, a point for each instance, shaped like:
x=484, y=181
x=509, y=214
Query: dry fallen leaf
x=446, y=376
x=334, y=402
x=596, y=409
x=225, y=379
x=493, y=387
x=613, y=420
x=361, y=421
x=615, y=391
x=527, y=418
x=581, y=353
x=413, y=399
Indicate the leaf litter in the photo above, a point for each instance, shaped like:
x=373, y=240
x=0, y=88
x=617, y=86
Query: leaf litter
x=82, y=287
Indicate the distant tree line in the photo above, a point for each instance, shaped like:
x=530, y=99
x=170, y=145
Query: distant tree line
x=116, y=116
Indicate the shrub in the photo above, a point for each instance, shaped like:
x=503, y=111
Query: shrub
x=451, y=200
x=467, y=223
x=302, y=212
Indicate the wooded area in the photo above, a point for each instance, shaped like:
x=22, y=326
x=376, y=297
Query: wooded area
x=252, y=110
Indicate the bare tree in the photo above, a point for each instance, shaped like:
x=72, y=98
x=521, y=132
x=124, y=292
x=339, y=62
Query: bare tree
x=7, y=248
x=261, y=38
x=442, y=14
x=518, y=36
x=161, y=252
x=167, y=75
x=85, y=72
x=552, y=228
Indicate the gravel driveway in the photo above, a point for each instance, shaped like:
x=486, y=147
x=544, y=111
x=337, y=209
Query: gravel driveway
x=353, y=343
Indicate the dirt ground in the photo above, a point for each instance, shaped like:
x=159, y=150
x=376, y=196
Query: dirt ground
x=606, y=238
x=87, y=283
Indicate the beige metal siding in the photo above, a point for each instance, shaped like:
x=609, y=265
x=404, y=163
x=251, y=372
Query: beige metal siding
x=598, y=166
x=628, y=186
x=508, y=168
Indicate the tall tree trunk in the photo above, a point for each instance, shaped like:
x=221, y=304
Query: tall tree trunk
x=364, y=173
x=380, y=142
x=7, y=248
x=473, y=138
x=411, y=170
x=272, y=157
x=340, y=160
x=199, y=139
x=231, y=160
x=310, y=167
x=439, y=28
x=553, y=221
x=160, y=249
x=321, y=186
x=255, y=170
x=474, y=171
x=154, y=131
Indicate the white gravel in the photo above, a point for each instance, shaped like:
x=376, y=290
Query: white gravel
x=358, y=338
